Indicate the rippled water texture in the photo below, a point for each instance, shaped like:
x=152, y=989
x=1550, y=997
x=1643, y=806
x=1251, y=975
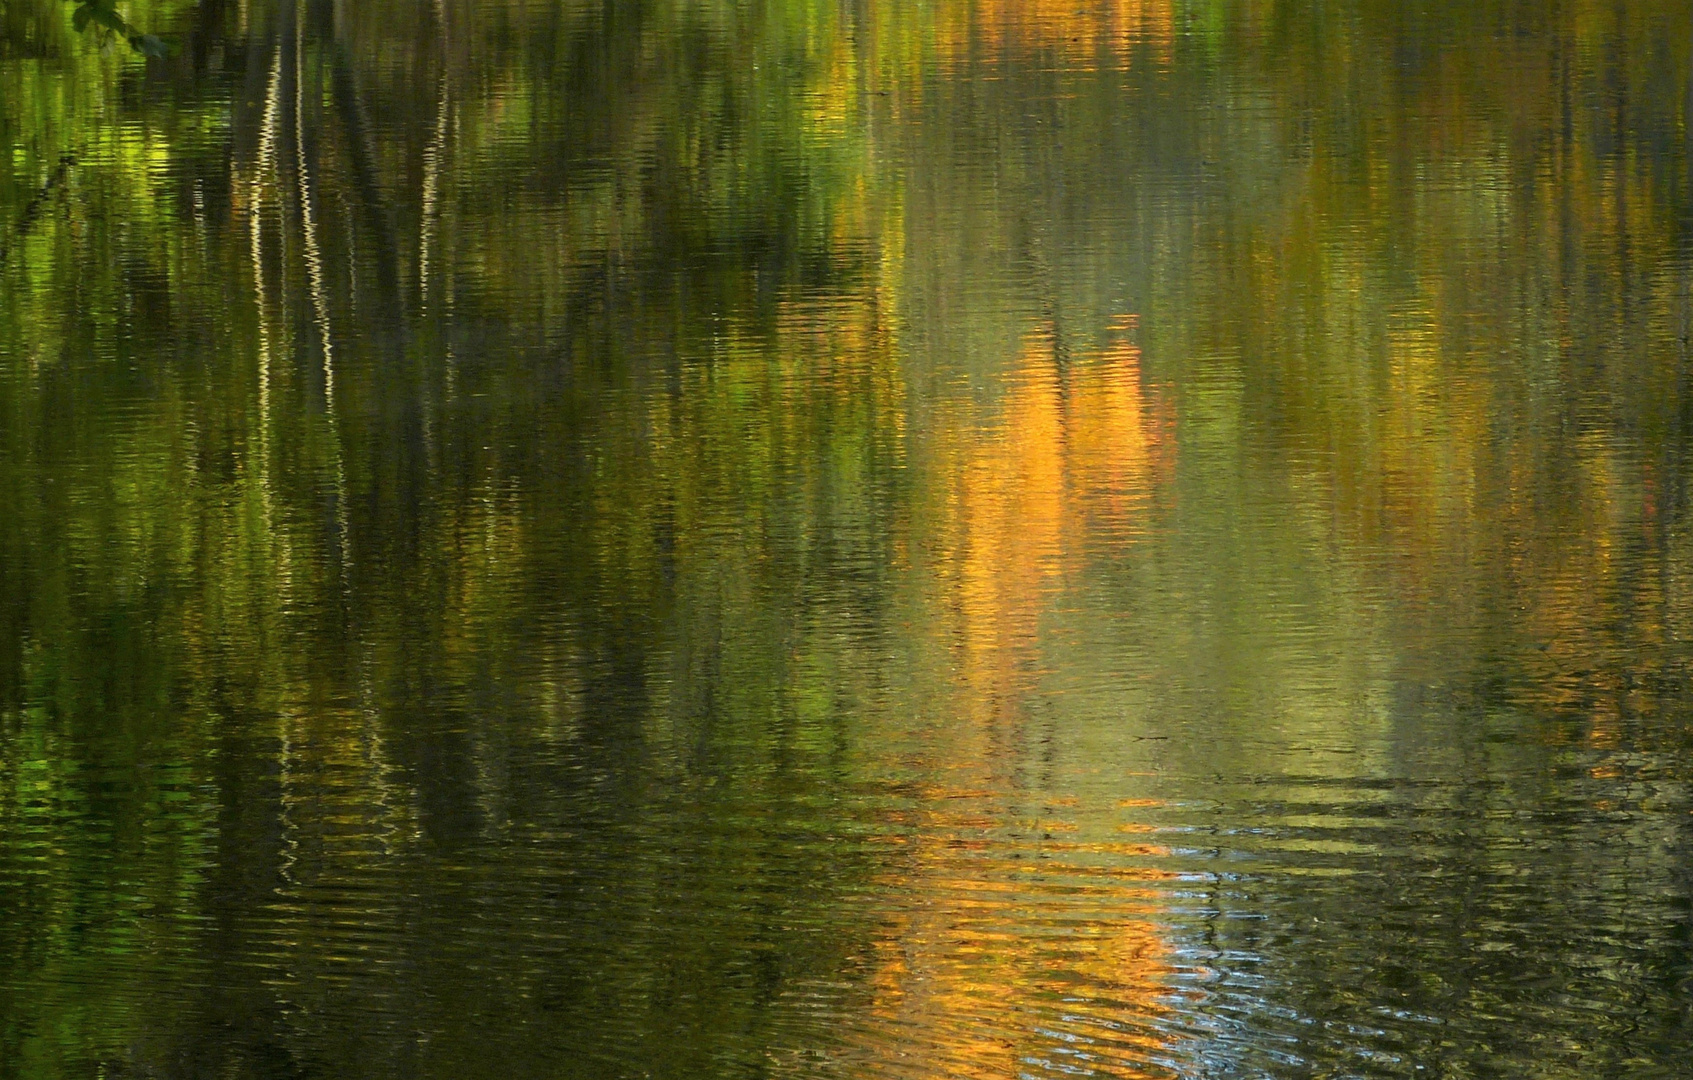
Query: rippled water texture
x=847, y=538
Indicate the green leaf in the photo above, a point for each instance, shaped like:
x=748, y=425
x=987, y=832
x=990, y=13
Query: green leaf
x=108, y=18
x=80, y=19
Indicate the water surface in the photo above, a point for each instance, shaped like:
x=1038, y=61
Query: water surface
x=847, y=539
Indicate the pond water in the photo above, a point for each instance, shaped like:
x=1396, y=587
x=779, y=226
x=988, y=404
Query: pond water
x=847, y=538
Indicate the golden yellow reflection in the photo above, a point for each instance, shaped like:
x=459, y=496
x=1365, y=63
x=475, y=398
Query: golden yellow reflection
x=1078, y=32
x=1022, y=947
x=1011, y=958
x=1074, y=456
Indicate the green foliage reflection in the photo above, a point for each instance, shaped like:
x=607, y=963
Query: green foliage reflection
x=102, y=15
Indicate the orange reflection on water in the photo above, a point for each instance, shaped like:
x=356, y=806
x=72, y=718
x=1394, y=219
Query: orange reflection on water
x=1079, y=32
x=1116, y=437
x=1073, y=461
x=1012, y=517
x=1017, y=947
x=1015, y=958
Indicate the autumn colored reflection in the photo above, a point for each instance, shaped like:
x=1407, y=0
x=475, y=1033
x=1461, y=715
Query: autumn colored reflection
x=1075, y=33
x=1069, y=459
x=1010, y=957
x=1017, y=946
x=808, y=540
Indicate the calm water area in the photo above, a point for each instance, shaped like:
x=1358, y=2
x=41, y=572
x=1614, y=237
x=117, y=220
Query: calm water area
x=857, y=539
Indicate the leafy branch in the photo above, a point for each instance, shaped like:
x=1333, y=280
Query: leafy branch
x=101, y=13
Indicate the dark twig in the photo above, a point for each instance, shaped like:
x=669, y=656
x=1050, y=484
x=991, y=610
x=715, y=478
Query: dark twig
x=33, y=210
